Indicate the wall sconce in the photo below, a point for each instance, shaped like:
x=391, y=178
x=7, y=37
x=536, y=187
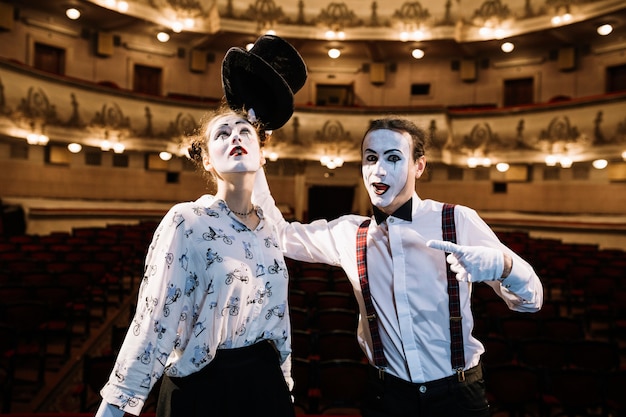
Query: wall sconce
x=331, y=162
x=118, y=147
x=331, y=34
x=35, y=139
x=165, y=156
x=563, y=18
x=473, y=162
x=564, y=161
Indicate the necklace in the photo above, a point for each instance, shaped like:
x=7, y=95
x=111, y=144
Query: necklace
x=246, y=214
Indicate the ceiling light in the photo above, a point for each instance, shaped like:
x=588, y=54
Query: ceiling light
x=163, y=37
x=600, y=163
x=72, y=13
x=417, y=53
x=604, y=29
x=507, y=47
x=74, y=147
x=472, y=162
x=249, y=46
x=502, y=167
x=273, y=156
x=624, y=155
x=105, y=145
x=165, y=156
x=334, y=53
x=270, y=32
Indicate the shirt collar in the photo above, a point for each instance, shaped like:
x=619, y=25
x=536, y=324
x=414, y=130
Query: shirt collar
x=403, y=212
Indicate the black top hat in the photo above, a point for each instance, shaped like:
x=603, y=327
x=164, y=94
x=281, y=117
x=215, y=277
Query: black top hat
x=264, y=79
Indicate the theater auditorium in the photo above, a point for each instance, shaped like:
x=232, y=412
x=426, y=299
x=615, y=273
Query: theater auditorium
x=524, y=107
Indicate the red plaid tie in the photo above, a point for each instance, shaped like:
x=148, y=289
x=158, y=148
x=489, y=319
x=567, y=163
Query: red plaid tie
x=372, y=319
x=456, y=334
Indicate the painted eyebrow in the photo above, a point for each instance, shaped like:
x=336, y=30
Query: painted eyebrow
x=384, y=153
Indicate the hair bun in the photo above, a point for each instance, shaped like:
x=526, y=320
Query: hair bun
x=195, y=152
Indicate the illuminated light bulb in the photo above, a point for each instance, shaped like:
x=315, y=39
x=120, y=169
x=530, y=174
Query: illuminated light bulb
x=165, y=156
x=551, y=160
x=163, y=37
x=605, y=29
x=566, y=162
x=273, y=156
x=502, y=167
x=105, y=145
x=118, y=147
x=341, y=35
x=330, y=34
x=189, y=23
x=32, y=139
x=334, y=53
x=624, y=155
x=485, y=32
x=507, y=47
x=72, y=13
x=177, y=27
x=249, y=46
x=74, y=147
x=404, y=36
x=417, y=53
x=472, y=162
x=600, y=163
x=122, y=6
x=42, y=140
x=418, y=35
x=270, y=32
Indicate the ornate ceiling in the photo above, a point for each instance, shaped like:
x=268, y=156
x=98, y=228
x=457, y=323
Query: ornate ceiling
x=372, y=30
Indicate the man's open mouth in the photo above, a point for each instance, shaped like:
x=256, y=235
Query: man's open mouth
x=380, y=188
x=238, y=151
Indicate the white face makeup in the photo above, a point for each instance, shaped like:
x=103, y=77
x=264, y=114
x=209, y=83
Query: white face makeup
x=386, y=163
x=233, y=145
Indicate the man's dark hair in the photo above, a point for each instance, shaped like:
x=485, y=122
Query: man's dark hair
x=401, y=125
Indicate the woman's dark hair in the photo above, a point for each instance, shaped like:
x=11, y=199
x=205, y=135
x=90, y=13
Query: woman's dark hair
x=417, y=134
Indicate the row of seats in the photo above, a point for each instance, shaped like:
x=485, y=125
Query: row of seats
x=54, y=290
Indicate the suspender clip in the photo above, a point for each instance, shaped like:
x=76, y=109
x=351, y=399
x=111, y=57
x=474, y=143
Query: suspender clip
x=456, y=318
x=371, y=317
x=460, y=374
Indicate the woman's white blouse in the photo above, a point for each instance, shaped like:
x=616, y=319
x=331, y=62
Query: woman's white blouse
x=209, y=283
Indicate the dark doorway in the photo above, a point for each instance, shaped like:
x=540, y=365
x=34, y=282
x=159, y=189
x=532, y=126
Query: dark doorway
x=327, y=202
x=518, y=92
x=616, y=79
x=49, y=58
x=147, y=80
